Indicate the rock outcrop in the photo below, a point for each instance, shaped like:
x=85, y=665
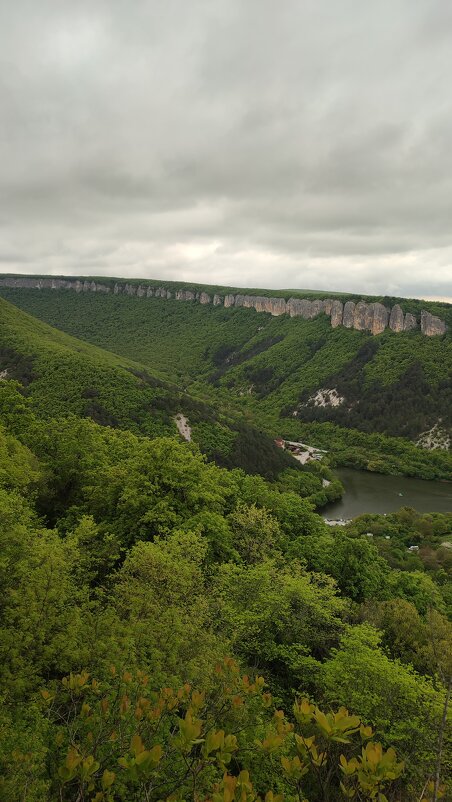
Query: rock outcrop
x=362, y=316
x=183, y=295
x=410, y=322
x=337, y=311
x=436, y=437
x=396, y=319
x=380, y=317
x=325, y=397
x=348, y=318
x=432, y=326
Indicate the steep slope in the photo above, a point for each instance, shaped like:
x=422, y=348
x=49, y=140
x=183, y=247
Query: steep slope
x=339, y=386
x=63, y=375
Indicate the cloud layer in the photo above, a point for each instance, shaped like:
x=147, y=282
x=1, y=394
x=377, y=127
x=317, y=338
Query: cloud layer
x=300, y=144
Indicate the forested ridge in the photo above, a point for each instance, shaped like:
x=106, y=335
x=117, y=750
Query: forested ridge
x=394, y=389
x=175, y=629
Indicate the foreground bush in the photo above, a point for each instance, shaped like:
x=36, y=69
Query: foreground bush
x=122, y=739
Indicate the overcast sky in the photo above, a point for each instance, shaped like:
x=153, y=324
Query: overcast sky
x=244, y=142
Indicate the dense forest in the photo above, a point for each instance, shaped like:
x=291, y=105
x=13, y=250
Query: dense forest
x=177, y=622
x=63, y=375
x=394, y=389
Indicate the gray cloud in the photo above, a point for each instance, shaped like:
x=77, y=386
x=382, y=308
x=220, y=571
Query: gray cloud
x=301, y=144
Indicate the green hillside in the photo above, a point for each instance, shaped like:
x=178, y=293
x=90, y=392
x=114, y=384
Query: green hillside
x=62, y=376
x=394, y=388
x=158, y=613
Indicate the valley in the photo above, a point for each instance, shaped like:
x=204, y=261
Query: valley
x=382, y=395
x=225, y=402
x=168, y=584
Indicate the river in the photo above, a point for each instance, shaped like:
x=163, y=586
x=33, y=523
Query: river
x=374, y=492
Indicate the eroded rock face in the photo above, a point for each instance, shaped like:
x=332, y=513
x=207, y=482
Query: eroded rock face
x=436, y=437
x=361, y=317
x=260, y=303
x=348, y=318
x=410, y=322
x=316, y=308
x=373, y=317
x=337, y=311
x=293, y=307
x=183, y=295
x=274, y=306
x=277, y=306
x=431, y=325
x=369, y=316
x=325, y=397
x=380, y=318
x=306, y=309
x=396, y=318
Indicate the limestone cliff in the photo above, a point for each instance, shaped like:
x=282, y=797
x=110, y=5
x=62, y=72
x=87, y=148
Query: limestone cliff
x=396, y=319
x=362, y=316
x=348, y=318
x=431, y=325
x=337, y=311
x=410, y=322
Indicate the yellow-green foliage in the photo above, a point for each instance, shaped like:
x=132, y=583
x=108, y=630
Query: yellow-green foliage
x=122, y=739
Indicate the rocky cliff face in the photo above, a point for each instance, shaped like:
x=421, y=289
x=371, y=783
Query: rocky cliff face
x=396, y=319
x=337, y=311
x=432, y=326
x=410, y=322
x=372, y=317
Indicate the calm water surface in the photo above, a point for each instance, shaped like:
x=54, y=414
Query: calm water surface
x=373, y=492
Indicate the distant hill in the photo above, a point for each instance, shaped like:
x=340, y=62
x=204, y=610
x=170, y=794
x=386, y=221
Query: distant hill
x=368, y=399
